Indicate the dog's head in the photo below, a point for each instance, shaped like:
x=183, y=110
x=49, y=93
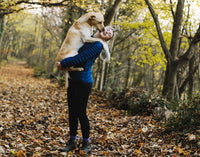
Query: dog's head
x=96, y=20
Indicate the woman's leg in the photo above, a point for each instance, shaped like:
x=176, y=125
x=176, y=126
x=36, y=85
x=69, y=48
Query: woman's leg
x=73, y=117
x=78, y=94
x=72, y=95
x=85, y=90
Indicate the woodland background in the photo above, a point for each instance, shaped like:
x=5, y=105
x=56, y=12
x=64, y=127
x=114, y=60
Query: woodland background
x=154, y=71
x=155, y=47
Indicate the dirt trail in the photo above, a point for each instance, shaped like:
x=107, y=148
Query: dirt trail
x=33, y=122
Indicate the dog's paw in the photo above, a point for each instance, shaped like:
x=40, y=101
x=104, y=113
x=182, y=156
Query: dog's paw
x=80, y=69
x=75, y=69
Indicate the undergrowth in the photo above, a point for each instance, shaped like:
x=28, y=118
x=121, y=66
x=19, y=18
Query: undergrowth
x=185, y=113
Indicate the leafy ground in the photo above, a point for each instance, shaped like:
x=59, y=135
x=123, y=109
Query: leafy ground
x=33, y=122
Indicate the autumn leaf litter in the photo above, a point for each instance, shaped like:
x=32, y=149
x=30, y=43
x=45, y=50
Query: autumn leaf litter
x=34, y=122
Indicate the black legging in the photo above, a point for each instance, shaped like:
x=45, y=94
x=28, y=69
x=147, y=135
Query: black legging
x=78, y=94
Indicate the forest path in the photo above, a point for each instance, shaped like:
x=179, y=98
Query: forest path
x=33, y=122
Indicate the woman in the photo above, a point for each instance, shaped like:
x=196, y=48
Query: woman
x=80, y=85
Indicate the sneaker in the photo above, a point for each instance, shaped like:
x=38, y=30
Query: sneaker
x=86, y=148
x=70, y=145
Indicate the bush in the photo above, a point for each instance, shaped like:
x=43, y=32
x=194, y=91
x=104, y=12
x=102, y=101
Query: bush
x=61, y=81
x=39, y=71
x=137, y=101
x=180, y=115
x=187, y=115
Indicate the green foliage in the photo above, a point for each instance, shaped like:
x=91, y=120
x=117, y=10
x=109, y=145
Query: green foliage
x=186, y=117
x=39, y=71
x=61, y=81
x=145, y=104
x=137, y=101
x=185, y=113
x=140, y=105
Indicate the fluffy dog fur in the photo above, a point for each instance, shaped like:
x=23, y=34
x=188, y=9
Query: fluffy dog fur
x=79, y=33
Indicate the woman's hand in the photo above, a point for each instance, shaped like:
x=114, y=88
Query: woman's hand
x=59, y=66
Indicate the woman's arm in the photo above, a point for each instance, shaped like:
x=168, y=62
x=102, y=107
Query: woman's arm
x=88, y=51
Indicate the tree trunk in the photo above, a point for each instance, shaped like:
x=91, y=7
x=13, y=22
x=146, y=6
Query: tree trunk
x=165, y=83
x=128, y=72
x=171, y=80
x=102, y=76
x=109, y=16
x=111, y=11
x=105, y=76
x=146, y=77
x=1, y=29
x=191, y=79
x=170, y=54
x=97, y=74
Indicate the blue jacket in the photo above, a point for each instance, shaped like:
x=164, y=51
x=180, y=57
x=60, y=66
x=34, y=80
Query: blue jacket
x=86, y=57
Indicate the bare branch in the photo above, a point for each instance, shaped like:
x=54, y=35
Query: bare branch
x=189, y=52
x=10, y=11
x=172, y=9
x=9, y=8
x=184, y=30
x=196, y=38
x=45, y=4
x=125, y=37
x=161, y=38
x=185, y=82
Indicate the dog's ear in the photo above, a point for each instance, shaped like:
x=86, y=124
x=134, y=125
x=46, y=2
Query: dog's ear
x=92, y=17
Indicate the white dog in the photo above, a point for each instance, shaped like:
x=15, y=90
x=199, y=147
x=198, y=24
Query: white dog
x=79, y=33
